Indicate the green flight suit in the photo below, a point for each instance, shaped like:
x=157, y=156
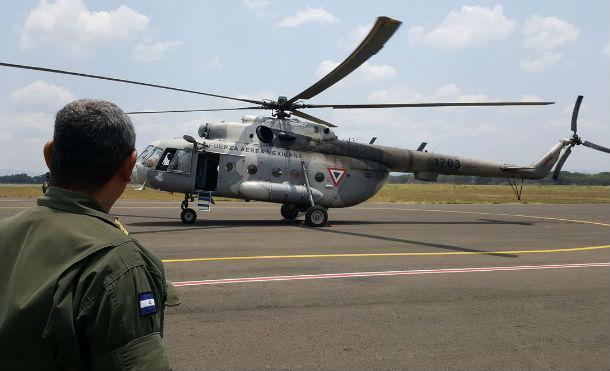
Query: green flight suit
x=76, y=292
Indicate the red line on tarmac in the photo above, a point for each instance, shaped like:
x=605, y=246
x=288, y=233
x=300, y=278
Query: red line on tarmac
x=386, y=273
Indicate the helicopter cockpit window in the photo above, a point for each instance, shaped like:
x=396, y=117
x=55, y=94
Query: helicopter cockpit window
x=167, y=157
x=153, y=158
x=181, y=162
x=145, y=153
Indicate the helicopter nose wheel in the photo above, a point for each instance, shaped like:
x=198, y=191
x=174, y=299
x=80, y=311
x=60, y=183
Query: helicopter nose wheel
x=316, y=216
x=289, y=211
x=188, y=216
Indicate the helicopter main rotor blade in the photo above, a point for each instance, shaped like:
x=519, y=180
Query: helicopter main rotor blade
x=305, y=116
x=432, y=104
x=99, y=77
x=381, y=32
x=595, y=146
x=560, y=163
x=193, y=110
x=575, y=113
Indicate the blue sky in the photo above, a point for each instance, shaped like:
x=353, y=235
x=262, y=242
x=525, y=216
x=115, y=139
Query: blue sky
x=444, y=51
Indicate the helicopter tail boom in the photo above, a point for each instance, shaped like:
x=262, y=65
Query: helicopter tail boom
x=427, y=165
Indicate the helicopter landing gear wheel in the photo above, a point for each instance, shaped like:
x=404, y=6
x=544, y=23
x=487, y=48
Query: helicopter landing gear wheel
x=289, y=211
x=316, y=216
x=188, y=216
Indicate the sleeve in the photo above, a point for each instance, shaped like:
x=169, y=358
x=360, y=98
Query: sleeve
x=121, y=325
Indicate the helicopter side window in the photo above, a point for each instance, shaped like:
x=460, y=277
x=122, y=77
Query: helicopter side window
x=153, y=158
x=165, y=159
x=181, y=162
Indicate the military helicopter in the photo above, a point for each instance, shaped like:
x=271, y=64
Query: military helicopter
x=302, y=164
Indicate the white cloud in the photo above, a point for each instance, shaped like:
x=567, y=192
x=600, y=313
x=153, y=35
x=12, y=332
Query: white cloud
x=545, y=33
x=356, y=36
x=471, y=26
x=546, y=59
x=446, y=93
x=30, y=124
x=530, y=98
x=367, y=72
x=41, y=96
x=307, y=15
x=69, y=25
x=153, y=51
x=258, y=95
x=606, y=49
x=31, y=130
x=258, y=7
x=213, y=64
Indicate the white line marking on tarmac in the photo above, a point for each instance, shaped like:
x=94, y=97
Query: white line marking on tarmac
x=387, y=273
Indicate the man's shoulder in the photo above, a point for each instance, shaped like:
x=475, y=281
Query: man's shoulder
x=118, y=260
x=62, y=225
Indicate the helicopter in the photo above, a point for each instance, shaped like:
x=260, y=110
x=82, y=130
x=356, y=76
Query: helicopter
x=295, y=159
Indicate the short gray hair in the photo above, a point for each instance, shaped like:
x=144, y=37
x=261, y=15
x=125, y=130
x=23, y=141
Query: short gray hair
x=91, y=141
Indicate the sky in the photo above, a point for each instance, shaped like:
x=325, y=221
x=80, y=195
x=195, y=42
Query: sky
x=444, y=51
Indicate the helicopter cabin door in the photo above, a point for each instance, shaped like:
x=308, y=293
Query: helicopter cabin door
x=207, y=171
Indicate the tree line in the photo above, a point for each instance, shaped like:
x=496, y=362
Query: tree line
x=22, y=178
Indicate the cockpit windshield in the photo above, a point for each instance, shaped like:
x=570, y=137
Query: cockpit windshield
x=153, y=157
x=145, y=153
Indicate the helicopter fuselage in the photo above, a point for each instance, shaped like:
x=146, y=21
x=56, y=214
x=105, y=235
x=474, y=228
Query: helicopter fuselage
x=250, y=169
x=287, y=160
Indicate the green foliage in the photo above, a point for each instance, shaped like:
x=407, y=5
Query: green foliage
x=22, y=178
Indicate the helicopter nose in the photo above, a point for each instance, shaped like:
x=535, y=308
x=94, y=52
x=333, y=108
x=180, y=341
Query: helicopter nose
x=136, y=175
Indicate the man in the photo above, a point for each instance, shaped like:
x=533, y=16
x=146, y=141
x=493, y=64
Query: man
x=76, y=292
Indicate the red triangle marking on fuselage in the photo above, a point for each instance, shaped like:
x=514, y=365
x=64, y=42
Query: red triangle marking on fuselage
x=336, y=174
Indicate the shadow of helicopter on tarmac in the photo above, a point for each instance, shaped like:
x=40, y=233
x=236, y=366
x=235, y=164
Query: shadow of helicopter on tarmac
x=222, y=224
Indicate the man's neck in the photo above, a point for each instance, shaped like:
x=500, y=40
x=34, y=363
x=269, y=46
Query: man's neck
x=105, y=196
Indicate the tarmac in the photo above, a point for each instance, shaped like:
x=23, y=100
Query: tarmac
x=385, y=286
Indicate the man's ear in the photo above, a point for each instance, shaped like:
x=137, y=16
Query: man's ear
x=127, y=167
x=47, y=150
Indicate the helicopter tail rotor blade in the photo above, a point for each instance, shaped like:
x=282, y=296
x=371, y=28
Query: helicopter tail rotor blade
x=381, y=32
x=193, y=110
x=305, y=116
x=560, y=163
x=99, y=77
x=575, y=113
x=595, y=146
x=430, y=104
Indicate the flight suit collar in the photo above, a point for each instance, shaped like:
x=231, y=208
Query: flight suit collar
x=74, y=202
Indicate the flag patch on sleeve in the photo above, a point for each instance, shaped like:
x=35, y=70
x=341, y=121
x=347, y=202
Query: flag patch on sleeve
x=147, y=303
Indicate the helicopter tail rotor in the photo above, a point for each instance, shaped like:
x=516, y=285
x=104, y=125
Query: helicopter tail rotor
x=575, y=140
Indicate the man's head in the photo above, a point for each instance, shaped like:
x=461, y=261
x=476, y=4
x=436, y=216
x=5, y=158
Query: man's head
x=93, y=143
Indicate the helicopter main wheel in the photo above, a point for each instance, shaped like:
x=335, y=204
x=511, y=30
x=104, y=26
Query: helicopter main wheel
x=316, y=216
x=289, y=211
x=188, y=216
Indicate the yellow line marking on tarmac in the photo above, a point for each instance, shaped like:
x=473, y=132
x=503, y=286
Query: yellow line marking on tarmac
x=362, y=255
x=490, y=213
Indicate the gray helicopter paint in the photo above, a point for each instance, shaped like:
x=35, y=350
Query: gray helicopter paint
x=279, y=175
